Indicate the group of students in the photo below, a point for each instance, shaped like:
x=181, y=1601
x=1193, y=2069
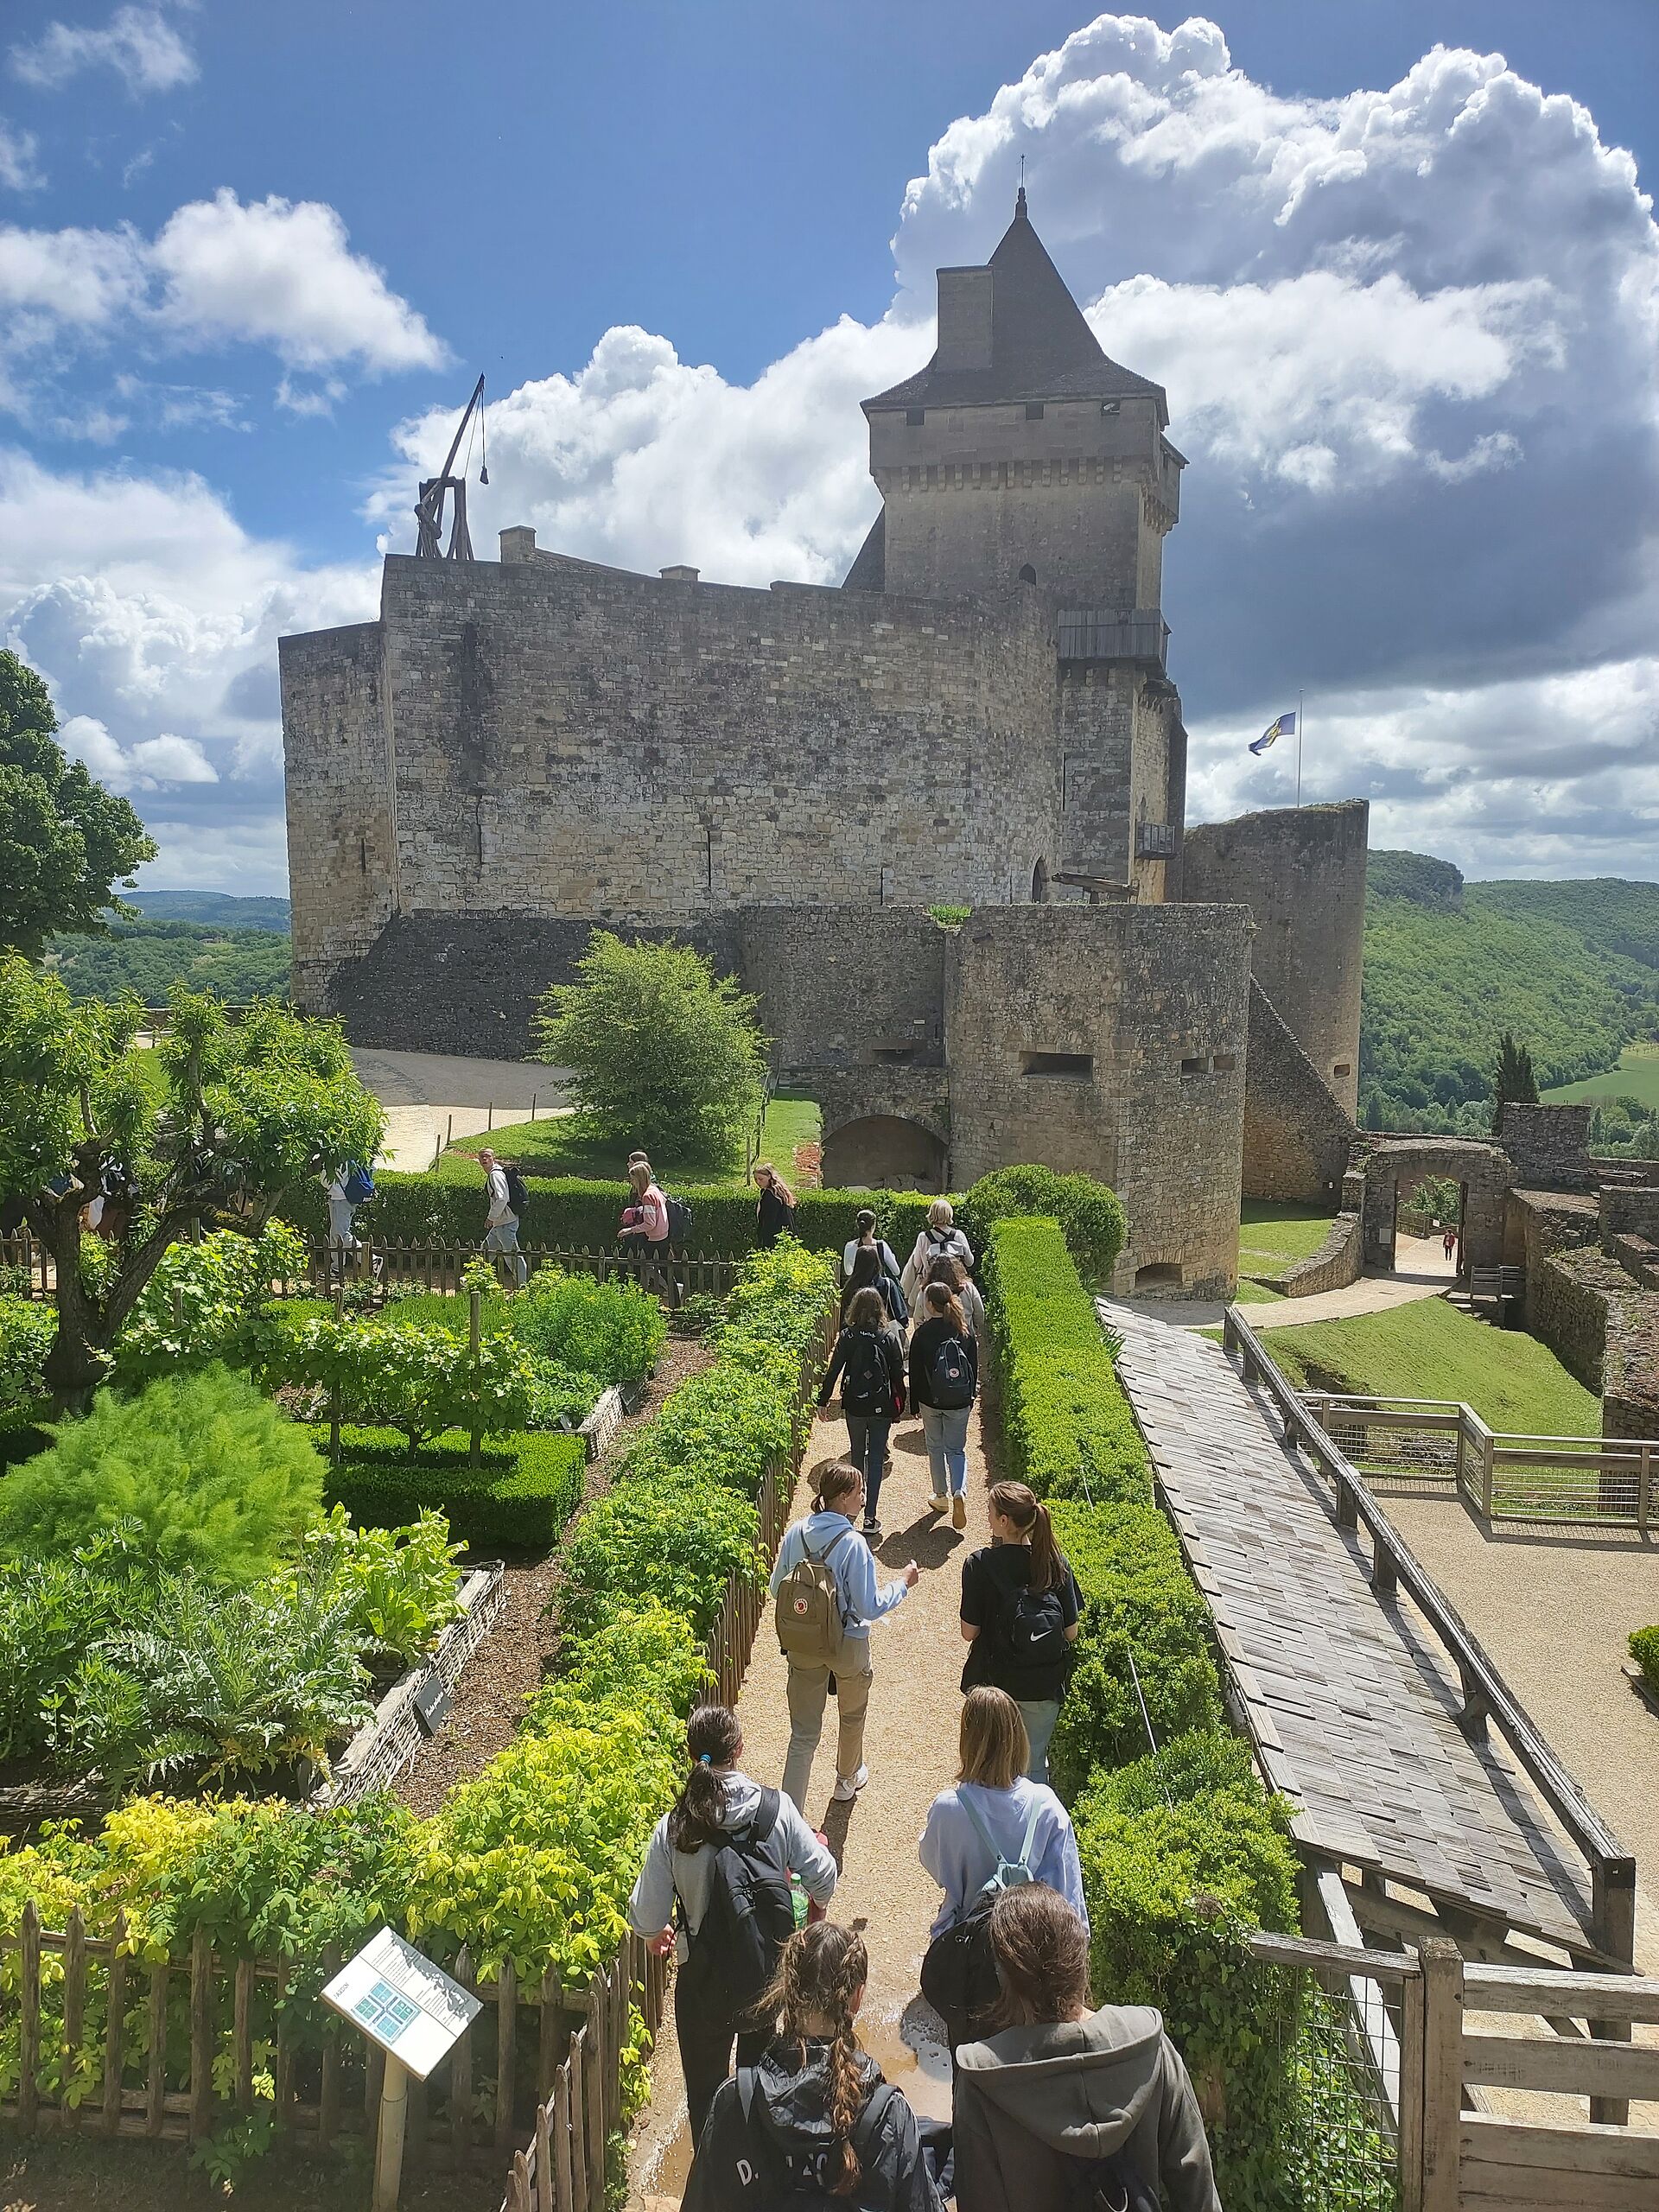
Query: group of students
x=1057, y=2106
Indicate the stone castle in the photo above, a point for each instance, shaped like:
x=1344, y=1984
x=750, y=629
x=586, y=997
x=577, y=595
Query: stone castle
x=979, y=716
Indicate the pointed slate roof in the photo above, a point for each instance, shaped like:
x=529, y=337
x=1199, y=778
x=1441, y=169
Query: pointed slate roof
x=1042, y=345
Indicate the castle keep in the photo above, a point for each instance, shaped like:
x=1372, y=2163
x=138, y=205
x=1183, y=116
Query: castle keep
x=979, y=716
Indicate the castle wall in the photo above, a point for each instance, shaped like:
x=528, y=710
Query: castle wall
x=1301, y=871
x=575, y=739
x=341, y=851
x=1297, y=1139
x=1110, y=1040
x=974, y=494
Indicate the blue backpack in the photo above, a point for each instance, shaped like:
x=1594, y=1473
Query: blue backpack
x=359, y=1185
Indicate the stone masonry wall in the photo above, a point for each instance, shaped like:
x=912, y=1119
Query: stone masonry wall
x=1111, y=1039
x=575, y=739
x=1297, y=1138
x=1549, y=1146
x=341, y=862
x=1301, y=872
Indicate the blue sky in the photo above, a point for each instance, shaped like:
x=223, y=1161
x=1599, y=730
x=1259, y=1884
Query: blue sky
x=251, y=259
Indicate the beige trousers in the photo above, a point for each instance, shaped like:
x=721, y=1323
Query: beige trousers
x=808, y=1688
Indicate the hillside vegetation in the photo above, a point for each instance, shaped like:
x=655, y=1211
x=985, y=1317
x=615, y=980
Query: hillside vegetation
x=1571, y=969
x=147, y=958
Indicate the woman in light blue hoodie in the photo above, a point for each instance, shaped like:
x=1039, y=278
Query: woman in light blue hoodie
x=828, y=1535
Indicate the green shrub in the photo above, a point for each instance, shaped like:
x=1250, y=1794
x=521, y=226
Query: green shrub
x=1644, y=1650
x=1067, y=1428
x=1089, y=1213
x=204, y=1302
x=27, y=1327
x=400, y=1585
x=1193, y=1765
x=1138, y=1602
x=533, y=1860
x=661, y=1051
x=52, y=1612
x=670, y=1538
x=518, y=1498
x=406, y=1375
x=610, y=1330
x=1172, y=1892
x=210, y=1473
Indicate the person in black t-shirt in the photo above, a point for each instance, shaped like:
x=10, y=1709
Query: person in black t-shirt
x=869, y=1363
x=1020, y=1609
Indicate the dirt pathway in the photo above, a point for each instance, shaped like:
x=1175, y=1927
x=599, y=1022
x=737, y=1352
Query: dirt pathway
x=911, y=1749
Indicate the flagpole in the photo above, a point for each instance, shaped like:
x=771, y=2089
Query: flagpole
x=1299, y=748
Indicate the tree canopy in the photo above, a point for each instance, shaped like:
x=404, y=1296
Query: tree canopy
x=664, y=1054
x=65, y=841
x=215, y=1123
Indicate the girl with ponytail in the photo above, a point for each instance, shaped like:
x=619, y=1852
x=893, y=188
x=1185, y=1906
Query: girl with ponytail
x=1020, y=1609
x=718, y=1808
x=812, y=2121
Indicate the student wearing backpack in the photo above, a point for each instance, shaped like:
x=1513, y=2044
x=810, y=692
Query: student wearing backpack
x=940, y=1240
x=342, y=1214
x=961, y=1286
x=721, y=1860
x=774, y=1213
x=645, y=1231
x=943, y=1382
x=811, y=2123
x=868, y=1361
x=501, y=1220
x=993, y=1830
x=866, y=1238
x=1065, y=2109
x=1021, y=1612
x=868, y=1274
x=826, y=1596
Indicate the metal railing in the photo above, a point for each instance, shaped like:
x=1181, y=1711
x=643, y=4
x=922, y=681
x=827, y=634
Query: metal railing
x=1104, y=633
x=1575, y=1481
x=1487, y=1700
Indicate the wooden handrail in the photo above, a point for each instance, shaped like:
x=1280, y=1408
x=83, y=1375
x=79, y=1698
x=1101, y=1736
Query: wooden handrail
x=1486, y=1694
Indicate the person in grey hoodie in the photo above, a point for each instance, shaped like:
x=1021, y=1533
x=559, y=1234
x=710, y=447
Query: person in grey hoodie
x=1064, y=2089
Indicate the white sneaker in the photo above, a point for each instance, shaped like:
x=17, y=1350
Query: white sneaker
x=848, y=1786
x=937, y=1503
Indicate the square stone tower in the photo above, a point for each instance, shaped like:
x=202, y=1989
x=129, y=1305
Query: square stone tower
x=1022, y=452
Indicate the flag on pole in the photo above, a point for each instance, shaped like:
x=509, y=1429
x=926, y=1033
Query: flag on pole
x=1284, y=727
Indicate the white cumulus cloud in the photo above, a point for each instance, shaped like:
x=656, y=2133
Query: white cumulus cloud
x=138, y=43
x=19, y=170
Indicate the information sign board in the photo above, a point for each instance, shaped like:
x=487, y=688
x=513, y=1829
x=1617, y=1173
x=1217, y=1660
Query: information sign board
x=403, y=2002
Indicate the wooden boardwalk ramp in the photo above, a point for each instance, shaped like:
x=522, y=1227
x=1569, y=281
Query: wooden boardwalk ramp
x=1356, y=1711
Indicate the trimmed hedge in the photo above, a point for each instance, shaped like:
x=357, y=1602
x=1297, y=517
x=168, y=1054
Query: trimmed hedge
x=1090, y=1214
x=1140, y=1600
x=518, y=1498
x=1644, y=1650
x=446, y=1206
x=1067, y=1427
x=1183, y=1856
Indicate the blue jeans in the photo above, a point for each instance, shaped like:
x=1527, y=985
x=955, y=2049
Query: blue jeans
x=1039, y=1715
x=866, y=1439
x=946, y=1431
x=502, y=1242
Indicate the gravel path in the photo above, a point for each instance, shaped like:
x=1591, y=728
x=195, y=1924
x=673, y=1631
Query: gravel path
x=514, y=1656
x=911, y=1749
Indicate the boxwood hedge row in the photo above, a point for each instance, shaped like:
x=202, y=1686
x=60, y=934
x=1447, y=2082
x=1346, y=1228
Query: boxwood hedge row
x=517, y=1498
x=1183, y=1852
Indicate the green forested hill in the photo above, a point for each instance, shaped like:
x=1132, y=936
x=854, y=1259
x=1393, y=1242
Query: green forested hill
x=222, y=908
x=147, y=958
x=1572, y=968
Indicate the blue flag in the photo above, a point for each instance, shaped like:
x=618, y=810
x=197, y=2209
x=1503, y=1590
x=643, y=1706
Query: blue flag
x=1284, y=727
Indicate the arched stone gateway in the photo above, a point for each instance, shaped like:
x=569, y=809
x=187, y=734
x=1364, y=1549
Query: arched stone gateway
x=884, y=1152
x=1397, y=1164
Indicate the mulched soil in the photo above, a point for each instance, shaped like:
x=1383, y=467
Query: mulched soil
x=517, y=1654
x=55, y=2174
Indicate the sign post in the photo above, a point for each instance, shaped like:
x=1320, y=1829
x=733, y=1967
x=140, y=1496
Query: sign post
x=417, y=2014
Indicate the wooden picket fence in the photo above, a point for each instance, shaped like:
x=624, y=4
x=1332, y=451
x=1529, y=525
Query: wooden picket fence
x=440, y=1267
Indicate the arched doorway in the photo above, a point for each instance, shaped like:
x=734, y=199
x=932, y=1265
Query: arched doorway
x=1039, y=883
x=1027, y=575
x=883, y=1151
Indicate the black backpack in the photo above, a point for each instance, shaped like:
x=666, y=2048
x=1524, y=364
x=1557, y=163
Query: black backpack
x=951, y=1379
x=517, y=1191
x=867, y=1388
x=1109, y=2184
x=1032, y=1626
x=787, y=2185
x=750, y=1915
x=679, y=1221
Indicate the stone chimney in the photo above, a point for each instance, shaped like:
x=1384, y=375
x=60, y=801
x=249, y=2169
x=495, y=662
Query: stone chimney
x=519, y=543
x=679, y=573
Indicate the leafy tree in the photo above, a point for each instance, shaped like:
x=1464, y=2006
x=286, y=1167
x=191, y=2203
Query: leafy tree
x=147, y=959
x=218, y=1122
x=65, y=841
x=1513, y=1081
x=664, y=1053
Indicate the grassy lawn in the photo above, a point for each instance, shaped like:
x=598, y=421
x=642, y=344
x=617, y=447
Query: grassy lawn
x=1255, y=1293
x=1637, y=1076
x=1429, y=1349
x=552, y=1146
x=1273, y=1235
